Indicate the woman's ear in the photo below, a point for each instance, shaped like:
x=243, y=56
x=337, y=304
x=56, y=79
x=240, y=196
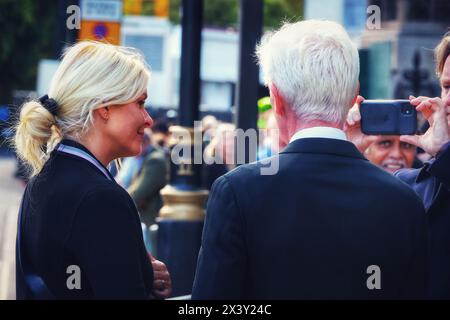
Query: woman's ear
x=278, y=103
x=103, y=113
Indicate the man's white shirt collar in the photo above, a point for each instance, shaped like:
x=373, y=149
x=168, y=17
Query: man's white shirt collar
x=320, y=132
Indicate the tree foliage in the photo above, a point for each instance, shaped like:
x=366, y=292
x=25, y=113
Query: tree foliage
x=27, y=36
x=225, y=13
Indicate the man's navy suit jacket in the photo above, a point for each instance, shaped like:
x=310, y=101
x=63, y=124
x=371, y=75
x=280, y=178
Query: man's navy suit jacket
x=315, y=230
x=432, y=184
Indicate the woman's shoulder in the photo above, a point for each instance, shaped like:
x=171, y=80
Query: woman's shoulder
x=73, y=178
x=79, y=187
x=108, y=191
x=105, y=204
x=74, y=167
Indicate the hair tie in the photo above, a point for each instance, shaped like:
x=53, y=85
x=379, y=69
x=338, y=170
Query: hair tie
x=49, y=104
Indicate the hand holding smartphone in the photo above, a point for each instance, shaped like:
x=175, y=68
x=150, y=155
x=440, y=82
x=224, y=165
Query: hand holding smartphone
x=388, y=117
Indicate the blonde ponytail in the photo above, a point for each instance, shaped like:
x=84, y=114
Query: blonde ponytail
x=36, y=135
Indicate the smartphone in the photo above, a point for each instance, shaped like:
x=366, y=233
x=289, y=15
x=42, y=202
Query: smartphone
x=388, y=117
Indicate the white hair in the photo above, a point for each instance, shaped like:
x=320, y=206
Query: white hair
x=315, y=67
x=91, y=75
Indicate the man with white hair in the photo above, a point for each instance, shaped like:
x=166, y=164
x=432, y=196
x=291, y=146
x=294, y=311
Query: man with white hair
x=329, y=224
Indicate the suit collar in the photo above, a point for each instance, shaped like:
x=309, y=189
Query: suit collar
x=324, y=146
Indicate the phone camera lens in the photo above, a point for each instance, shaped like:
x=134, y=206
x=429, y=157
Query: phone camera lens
x=407, y=109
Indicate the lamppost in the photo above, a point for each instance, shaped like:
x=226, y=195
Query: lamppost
x=63, y=36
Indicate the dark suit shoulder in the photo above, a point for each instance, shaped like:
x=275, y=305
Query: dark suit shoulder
x=303, y=171
x=390, y=186
x=252, y=170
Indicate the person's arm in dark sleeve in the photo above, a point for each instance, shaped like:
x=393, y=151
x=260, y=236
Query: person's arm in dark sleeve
x=151, y=179
x=440, y=167
x=222, y=260
x=105, y=241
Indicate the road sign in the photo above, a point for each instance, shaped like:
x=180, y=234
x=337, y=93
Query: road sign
x=100, y=30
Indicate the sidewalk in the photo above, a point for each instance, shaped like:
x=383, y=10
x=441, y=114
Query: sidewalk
x=10, y=194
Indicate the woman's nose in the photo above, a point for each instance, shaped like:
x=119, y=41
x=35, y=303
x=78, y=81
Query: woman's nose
x=147, y=119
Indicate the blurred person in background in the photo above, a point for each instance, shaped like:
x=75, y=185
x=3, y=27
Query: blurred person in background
x=270, y=142
x=161, y=134
x=130, y=166
x=79, y=234
x=209, y=126
x=219, y=154
x=151, y=177
x=390, y=153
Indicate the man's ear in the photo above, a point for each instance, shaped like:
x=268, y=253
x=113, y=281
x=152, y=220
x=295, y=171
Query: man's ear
x=278, y=103
x=356, y=96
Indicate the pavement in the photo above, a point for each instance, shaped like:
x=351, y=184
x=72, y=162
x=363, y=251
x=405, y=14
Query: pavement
x=11, y=191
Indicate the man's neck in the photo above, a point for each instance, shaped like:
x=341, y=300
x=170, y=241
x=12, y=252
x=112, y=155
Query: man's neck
x=300, y=125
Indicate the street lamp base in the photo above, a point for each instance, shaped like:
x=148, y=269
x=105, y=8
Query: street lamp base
x=182, y=205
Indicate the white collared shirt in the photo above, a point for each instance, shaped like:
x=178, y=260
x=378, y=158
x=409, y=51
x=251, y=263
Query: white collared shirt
x=320, y=132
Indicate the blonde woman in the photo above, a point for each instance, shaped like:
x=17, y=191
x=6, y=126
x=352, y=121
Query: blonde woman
x=79, y=235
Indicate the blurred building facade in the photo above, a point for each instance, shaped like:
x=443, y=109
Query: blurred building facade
x=397, y=56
